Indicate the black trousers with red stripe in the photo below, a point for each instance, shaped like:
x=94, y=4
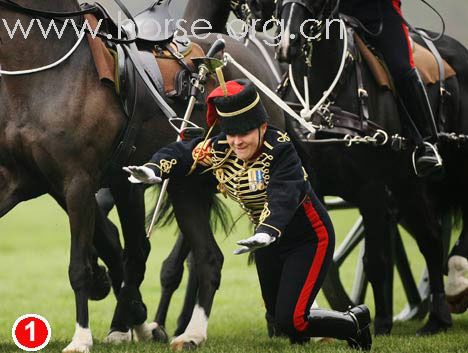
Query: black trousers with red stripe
x=291, y=270
x=393, y=42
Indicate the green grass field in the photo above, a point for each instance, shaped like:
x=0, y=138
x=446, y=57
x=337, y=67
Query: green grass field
x=34, y=248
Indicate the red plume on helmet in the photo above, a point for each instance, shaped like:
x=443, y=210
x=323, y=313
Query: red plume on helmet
x=232, y=87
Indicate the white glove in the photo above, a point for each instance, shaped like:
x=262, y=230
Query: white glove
x=259, y=240
x=141, y=174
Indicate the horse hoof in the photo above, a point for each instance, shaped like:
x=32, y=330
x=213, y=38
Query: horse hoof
x=382, y=326
x=178, y=346
x=100, y=284
x=75, y=349
x=160, y=335
x=118, y=337
x=433, y=327
x=82, y=341
x=151, y=331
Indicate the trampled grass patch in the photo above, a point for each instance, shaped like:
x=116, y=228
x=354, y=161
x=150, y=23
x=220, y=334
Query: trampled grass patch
x=34, y=256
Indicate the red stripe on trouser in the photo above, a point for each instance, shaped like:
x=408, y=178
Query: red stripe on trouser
x=300, y=322
x=397, y=6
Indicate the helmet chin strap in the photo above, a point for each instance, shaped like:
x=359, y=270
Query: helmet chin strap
x=259, y=140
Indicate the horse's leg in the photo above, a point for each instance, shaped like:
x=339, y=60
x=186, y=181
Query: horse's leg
x=192, y=205
x=109, y=249
x=422, y=221
x=105, y=200
x=172, y=270
x=80, y=203
x=378, y=259
x=130, y=310
x=456, y=287
x=190, y=298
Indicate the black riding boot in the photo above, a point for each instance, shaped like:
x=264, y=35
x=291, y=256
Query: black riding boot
x=352, y=326
x=426, y=158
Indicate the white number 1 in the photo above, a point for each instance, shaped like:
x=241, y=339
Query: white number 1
x=30, y=327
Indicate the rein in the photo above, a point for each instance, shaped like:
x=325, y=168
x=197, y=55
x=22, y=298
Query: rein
x=46, y=67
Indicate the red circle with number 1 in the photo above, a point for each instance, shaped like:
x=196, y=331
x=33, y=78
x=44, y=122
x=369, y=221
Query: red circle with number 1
x=31, y=332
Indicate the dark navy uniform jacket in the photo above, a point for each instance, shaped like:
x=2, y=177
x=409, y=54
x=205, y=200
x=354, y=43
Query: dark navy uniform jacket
x=270, y=188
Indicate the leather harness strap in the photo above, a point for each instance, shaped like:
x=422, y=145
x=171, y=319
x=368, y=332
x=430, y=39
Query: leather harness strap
x=442, y=87
x=363, y=96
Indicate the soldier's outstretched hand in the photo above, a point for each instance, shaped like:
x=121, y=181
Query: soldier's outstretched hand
x=141, y=174
x=259, y=240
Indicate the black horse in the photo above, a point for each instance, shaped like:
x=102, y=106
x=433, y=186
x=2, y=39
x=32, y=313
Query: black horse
x=59, y=128
x=365, y=175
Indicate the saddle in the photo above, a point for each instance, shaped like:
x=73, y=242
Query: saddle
x=424, y=60
x=147, y=75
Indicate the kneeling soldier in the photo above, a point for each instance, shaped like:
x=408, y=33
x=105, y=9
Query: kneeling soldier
x=257, y=166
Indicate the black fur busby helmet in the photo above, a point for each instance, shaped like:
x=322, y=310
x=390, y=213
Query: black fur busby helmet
x=237, y=108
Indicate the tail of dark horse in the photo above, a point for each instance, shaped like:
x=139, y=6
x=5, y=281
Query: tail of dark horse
x=220, y=215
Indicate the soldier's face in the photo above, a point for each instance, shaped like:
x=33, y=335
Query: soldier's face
x=246, y=145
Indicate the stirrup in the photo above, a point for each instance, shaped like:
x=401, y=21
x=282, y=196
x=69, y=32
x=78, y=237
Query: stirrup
x=436, y=154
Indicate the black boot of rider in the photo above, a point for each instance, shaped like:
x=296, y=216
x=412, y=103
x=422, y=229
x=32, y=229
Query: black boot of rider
x=426, y=158
x=352, y=326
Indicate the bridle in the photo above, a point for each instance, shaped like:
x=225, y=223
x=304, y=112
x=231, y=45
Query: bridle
x=307, y=46
x=241, y=10
x=318, y=26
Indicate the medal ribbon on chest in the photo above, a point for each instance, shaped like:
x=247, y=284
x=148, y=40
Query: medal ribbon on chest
x=256, y=180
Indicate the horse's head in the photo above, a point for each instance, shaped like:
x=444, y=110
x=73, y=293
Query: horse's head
x=262, y=10
x=302, y=21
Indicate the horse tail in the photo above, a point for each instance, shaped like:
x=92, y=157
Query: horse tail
x=166, y=212
x=220, y=214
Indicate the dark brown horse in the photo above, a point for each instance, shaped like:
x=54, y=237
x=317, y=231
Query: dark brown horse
x=58, y=129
